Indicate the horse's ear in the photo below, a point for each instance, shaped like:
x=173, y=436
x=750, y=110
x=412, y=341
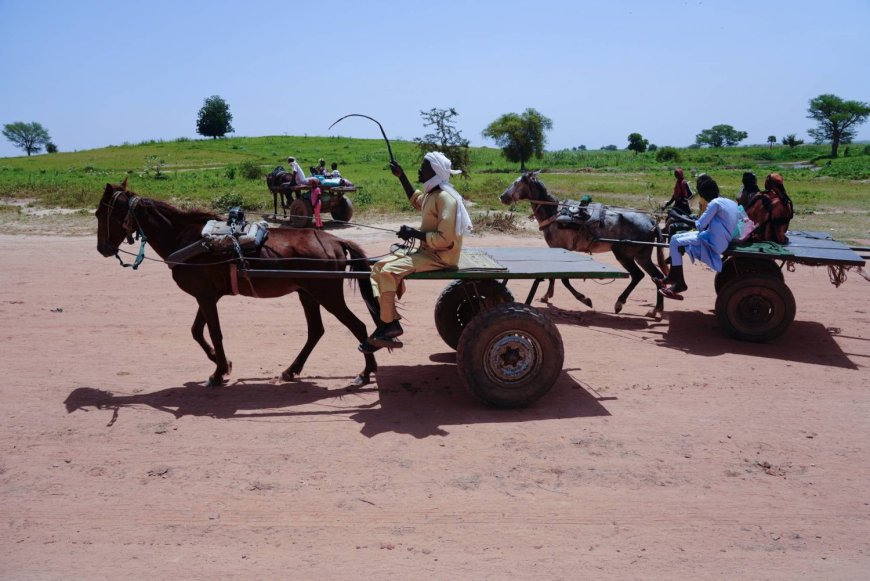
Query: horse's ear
x=124, y=185
x=109, y=189
x=535, y=173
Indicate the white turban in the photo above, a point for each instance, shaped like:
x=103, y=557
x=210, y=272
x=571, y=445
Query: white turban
x=443, y=170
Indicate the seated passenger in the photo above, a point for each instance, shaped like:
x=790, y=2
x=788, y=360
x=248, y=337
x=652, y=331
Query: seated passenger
x=334, y=173
x=715, y=229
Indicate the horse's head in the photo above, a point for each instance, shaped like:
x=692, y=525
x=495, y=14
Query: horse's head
x=114, y=222
x=521, y=189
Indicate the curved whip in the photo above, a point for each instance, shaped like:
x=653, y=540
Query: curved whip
x=384, y=133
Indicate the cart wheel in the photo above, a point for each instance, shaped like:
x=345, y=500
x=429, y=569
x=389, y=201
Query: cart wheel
x=462, y=300
x=300, y=213
x=733, y=268
x=510, y=355
x=755, y=308
x=342, y=209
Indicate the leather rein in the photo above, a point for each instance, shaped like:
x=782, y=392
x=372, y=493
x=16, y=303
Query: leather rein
x=127, y=225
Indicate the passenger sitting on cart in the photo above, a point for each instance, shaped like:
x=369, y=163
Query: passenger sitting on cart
x=715, y=230
x=682, y=194
x=320, y=168
x=314, y=183
x=335, y=173
x=750, y=188
x=444, y=221
x=298, y=175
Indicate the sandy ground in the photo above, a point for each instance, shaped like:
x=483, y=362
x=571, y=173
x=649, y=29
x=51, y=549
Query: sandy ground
x=664, y=451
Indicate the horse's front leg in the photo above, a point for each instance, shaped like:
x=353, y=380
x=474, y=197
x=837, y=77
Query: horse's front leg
x=315, y=332
x=197, y=330
x=332, y=299
x=208, y=310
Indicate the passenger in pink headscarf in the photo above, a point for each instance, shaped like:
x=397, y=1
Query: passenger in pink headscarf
x=315, y=202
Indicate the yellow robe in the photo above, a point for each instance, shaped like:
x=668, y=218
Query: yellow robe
x=440, y=250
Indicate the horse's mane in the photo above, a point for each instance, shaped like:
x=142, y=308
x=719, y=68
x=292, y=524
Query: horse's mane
x=543, y=189
x=188, y=215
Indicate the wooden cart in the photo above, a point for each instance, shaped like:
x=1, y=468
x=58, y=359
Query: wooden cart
x=508, y=353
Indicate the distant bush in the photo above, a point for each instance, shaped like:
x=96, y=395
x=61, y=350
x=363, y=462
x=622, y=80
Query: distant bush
x=667, y=153
x=230, y=172
x=250, y=170
x=50, y=147
x=228, y=200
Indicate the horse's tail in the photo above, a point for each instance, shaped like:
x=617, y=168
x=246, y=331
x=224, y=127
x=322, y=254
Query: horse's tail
x=664, y=266
x=359, y=262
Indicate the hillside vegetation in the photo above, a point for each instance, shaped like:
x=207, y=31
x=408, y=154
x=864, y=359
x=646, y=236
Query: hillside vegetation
x=828, y=194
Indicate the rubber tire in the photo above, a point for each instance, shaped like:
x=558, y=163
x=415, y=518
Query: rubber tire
x=517, y=326
x=342, y=209
x=755, y=308
x=456, y=306
x=733, y=268
x=301, y=213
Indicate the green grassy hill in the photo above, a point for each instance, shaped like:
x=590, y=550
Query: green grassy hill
x=831, y=195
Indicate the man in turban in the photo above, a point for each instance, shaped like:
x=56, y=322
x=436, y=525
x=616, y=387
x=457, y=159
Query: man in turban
x=444, y=221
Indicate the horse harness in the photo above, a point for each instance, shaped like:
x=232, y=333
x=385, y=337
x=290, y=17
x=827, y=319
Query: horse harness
x=127, y=225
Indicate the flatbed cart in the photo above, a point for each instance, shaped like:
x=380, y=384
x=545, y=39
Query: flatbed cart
x=297, y=201
x=508, y=353
x=753, y=303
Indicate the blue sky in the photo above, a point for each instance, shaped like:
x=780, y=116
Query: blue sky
x=103, y=73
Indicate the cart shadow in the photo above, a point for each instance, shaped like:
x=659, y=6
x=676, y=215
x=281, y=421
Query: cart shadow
x=413, y=400
x=698, y=333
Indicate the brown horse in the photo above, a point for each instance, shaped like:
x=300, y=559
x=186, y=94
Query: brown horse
x=617, y=225
x=278, y=181
x=167, y=229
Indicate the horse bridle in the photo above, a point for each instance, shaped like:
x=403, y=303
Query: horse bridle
x=132, y=201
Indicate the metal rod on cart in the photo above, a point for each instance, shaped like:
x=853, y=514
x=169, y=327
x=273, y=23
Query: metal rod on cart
x=267, y=273
x=632, y=242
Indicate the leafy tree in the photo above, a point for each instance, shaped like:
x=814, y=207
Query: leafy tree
x=637, y=143
x=609, y=148
x=667, y=153
x=771, y=139
x=520, y=136
x=214, y=118
x=444, y=138
x=838, y=119
x=582, y=148
x=792, y=141
x=720, y=135
x=50, y=147
x=652, y=147
x=27, y=136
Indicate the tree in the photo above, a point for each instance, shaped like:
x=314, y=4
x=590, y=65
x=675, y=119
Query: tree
x=444, y=138
x=214, y=118
x=771, y=139
x=792, y=141
x=27, y=136
x=720, y=135
x=838, y=119
x=637, y=143
x=667, y=153
x=520, y=136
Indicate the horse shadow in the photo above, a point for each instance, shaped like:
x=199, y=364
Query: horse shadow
x=415, y=400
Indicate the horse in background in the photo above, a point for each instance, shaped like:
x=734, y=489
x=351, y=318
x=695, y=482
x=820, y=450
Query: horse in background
x=121, y=213
x=618, y=224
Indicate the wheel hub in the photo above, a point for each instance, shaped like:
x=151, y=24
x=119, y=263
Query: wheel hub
x=512, y=357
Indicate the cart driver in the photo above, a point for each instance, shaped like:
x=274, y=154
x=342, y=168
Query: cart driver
x=444, y=221
x=298, y=175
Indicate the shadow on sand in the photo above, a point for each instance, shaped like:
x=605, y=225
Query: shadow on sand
x=414, y=400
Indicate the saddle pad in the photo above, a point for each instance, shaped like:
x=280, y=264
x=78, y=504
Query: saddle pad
x=476, y=260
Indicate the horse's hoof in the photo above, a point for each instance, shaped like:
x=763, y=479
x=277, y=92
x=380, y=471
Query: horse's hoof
x=215, y=381
x=588, y=303
x=360, y=380
x=654, y=314
x=617, y=308
x=545, y=299
x=288, y=375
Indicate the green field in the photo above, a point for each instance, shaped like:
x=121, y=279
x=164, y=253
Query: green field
x=833, y=195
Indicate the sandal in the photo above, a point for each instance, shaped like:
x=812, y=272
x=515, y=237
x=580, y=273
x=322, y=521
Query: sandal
x=670, y=293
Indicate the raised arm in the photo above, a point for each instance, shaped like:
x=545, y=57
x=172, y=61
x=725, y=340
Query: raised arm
x=403, y=179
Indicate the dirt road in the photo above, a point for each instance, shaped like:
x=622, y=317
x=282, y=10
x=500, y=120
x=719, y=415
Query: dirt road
x=664, y=451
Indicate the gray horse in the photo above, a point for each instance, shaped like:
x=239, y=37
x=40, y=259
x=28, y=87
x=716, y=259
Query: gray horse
x=614, y=224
